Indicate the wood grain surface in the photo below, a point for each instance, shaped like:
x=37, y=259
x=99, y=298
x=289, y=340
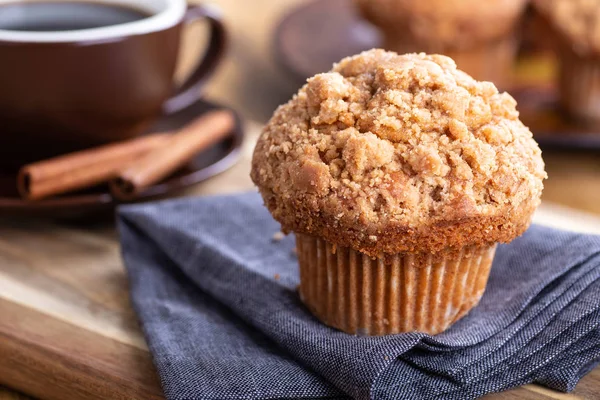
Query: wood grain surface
x=67, y=330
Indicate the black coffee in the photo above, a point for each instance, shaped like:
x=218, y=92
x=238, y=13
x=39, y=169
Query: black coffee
x=65, y=16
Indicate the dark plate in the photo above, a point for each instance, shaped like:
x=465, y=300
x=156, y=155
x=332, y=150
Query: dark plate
x=540, y=110
x=98, y=200
x=301, y=50
x=317, y=34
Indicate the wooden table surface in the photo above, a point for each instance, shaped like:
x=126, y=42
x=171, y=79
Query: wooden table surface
x=250, y=81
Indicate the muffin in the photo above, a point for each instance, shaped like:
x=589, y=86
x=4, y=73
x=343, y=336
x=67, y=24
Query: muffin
x=398, y=174
x=575, y=26
x=481, y=36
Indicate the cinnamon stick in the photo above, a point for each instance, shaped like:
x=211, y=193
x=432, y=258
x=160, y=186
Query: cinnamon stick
x=179, y=150
x=84, y=168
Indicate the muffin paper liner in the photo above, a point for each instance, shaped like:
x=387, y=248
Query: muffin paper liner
x=406, y=292
x=491, y=61
x=579, y=83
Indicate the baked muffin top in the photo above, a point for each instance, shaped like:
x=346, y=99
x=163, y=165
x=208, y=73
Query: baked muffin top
x=389, y=153
x=448, y=23
x=577, y=20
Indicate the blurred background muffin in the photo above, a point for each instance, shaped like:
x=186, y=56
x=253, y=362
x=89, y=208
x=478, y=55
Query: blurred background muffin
x=574, y=29
x=481, y=36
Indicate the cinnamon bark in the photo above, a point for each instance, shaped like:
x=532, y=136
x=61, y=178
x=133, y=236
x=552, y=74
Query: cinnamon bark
x=83, y=169
x=179, y=150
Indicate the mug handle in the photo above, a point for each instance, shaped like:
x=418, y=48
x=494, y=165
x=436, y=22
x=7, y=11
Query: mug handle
x=189, y=91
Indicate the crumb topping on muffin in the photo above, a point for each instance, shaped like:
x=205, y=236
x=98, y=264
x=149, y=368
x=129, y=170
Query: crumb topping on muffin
x=389, y=153
x=577, y=20
x=447, y=23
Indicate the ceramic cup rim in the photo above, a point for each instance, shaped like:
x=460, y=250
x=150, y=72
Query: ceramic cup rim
x=164, y=15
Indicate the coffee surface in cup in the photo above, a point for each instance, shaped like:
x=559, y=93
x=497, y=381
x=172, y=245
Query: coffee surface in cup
x=65, y=16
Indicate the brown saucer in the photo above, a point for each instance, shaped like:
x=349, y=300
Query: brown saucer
x=98, y=200
x=301, y=50
x=539, y=109
x=317, y=34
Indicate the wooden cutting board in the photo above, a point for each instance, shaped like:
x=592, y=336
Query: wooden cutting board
x=67, y=330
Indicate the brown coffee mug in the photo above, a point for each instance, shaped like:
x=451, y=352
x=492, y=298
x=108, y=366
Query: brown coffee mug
x=81, y=73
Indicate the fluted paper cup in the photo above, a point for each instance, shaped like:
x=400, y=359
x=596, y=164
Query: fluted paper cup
x=579, y=82
x=490, y=61
x=361, y=295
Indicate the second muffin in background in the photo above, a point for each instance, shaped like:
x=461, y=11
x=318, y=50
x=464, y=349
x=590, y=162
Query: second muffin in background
x=481, y=36
x=398, y=174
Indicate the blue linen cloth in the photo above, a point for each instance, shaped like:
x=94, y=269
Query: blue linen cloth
x=217, y=301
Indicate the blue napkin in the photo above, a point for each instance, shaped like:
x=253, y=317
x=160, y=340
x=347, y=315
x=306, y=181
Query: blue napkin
x=217, y=300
